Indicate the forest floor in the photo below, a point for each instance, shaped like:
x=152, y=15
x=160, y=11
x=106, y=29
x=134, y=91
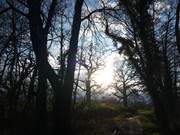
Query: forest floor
x=99, y=119
x=111, y=119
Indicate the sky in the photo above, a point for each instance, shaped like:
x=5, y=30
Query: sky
x=104, y=76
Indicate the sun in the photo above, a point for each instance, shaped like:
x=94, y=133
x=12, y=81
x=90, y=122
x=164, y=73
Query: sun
x=104, y=77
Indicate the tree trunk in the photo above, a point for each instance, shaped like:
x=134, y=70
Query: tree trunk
x=38, y=36
x=12, y=91
x=177, y=27
x=62, y=124
x=41, y=105
x=88, y=91
x=167, y=114
x=76, y=86
x=125, y=102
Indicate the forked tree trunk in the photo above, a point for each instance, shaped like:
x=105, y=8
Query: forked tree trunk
x=38, y=36
x=62, y=94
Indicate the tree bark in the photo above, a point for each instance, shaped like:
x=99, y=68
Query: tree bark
x=125, y=103
x=63, y=104
x=41, y=106
x=38, y=35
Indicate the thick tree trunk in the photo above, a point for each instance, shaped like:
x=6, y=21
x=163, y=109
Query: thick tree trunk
x=167, y=114
x=63, y=122
x=39, y=42
x=41, y=106
x=62, y=97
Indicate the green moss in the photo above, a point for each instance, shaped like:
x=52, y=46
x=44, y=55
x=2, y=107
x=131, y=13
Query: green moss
x=98, y=118
x=148, y=122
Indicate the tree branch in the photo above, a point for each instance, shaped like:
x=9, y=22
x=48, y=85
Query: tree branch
x=50, y=16
x=16, y=10
x=177, y=27
x=127, y=45
x=96, y=11
x=5, y=10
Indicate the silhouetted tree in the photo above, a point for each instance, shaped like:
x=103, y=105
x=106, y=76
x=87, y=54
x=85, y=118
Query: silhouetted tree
x=126, y=81
x=145, y=53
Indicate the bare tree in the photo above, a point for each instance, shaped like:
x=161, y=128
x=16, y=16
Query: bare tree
x=126, y=82
x=91, y=62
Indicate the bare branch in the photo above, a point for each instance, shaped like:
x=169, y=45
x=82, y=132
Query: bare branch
x=50, y=16
x=5, y=10
x=97, y=11
x=15, y=9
